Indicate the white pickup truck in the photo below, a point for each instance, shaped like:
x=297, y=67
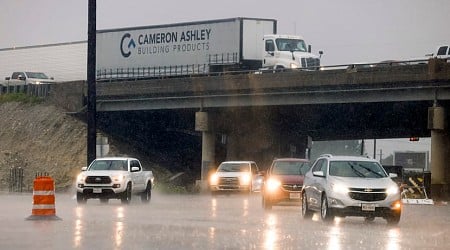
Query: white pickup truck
x=114, y=178
x=25, y=78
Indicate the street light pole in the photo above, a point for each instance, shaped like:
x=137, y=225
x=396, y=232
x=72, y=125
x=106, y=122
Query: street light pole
x=91, y=93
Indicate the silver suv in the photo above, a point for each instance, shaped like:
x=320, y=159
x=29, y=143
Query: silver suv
x=350, y=186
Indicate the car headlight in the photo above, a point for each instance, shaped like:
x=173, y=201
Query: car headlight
x=392, y=190
x=117, y=178
x=272, y=184
x=214, y=179
x=245, y=179
x=294, y=66
x=340, y=188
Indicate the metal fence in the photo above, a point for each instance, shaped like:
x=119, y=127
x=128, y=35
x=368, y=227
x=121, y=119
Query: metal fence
x=16, y=179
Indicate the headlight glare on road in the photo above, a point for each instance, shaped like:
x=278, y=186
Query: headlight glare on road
x=214, y=179
x=245, y=179
x=340, y=188
x=272, y=184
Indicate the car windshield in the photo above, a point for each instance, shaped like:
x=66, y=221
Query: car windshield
x=233, y=167
x=120, y=165
x=290, y=168
x=37, y=75
x=361, y=169
x=285, y=44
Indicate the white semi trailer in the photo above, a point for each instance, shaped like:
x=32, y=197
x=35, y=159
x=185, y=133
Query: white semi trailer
x=192, y=48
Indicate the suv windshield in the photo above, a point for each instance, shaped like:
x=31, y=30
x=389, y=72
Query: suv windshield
x=285, y=44
x=362, y=169
x=234, y=167
x=109, y=165
x=290, y=168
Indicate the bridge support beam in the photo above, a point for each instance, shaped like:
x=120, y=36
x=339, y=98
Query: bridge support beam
x=440, y=153
x=202, y=123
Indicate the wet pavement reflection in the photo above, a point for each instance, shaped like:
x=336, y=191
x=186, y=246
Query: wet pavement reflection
x=234, y=221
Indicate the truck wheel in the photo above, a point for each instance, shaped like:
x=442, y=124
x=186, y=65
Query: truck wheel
x=81, y=199
x=147, y=194
x=126, y=196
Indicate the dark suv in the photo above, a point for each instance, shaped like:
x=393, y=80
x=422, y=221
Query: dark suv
x=283, y=182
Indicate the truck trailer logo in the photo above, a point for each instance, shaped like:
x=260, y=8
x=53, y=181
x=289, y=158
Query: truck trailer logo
x=126, y=52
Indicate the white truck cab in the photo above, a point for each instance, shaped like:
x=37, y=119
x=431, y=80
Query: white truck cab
x=288, y=52
x=26, y=77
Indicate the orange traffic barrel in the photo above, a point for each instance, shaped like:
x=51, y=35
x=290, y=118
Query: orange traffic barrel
x=43, y=199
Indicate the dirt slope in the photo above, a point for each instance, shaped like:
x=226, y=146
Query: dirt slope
x=43, y=138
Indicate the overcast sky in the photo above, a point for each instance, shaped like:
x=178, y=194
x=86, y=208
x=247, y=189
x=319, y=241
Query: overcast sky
x=347, y=31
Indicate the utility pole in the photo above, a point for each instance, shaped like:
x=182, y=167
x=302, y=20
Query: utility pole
x=91, y=91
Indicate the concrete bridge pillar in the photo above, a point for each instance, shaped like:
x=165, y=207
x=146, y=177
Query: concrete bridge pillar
x=440, y=153
x=203, y=124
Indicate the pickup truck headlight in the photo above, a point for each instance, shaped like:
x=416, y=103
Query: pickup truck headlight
x=272, y=184
x=117, y=178
x=81, y=178
x=214, y=179
x=246, y=179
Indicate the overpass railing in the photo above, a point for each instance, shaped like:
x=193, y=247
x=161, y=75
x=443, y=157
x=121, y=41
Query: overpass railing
x=38, y=90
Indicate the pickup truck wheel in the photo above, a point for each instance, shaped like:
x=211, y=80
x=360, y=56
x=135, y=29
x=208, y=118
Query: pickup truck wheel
x=126, y=196
x=147, y=194
x=81, y=199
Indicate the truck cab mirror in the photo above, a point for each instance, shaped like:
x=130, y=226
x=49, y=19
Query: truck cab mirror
x=134, y=169
x=320, y=53
x=7, y=78
x=21, y=77
x=83, y=168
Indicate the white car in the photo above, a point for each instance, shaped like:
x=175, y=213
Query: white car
x=350, y=186
x=236, y=176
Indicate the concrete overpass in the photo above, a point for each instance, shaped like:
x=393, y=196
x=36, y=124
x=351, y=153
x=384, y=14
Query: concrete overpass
x=288, y=109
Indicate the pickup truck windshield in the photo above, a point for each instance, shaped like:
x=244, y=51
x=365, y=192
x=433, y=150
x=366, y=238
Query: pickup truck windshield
x=359, y=169
x=37, y=75
x=285, y=44
x=120, y=165
x=290, y=168
x=234, y=167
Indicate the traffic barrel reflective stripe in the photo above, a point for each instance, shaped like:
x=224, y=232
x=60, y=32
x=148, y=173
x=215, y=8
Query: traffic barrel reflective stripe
x=43, y=199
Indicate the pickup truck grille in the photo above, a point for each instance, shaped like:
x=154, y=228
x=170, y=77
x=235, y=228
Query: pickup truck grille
x=292, y=187
x=98, y=180
x=228, y=181
x=361, y=194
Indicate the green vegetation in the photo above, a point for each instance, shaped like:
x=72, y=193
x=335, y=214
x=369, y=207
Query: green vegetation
x=20, y=97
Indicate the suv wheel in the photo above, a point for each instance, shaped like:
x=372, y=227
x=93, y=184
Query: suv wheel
x=306, y=213
x=325, y=212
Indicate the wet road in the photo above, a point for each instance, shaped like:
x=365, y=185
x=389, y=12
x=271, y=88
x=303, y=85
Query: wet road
x=234, y=221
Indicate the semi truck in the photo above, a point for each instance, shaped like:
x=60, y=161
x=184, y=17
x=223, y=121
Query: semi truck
x=203, y=47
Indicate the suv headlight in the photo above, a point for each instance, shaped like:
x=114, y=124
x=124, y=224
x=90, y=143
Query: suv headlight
x=392, y=190
x=339, y=188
